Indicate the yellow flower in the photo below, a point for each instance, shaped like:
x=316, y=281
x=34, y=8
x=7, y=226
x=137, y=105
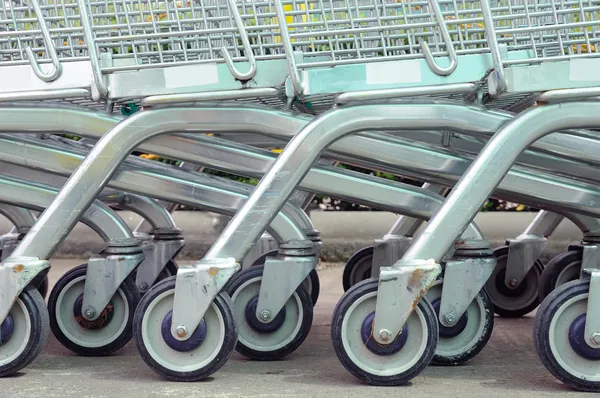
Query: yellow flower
x=520, y=207
x=276, y=150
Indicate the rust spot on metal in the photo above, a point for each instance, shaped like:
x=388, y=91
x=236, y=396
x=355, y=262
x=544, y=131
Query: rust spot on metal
x=415, y=279
x=212, y=271
x=121, y=259
x=418, y=298
x=18, y=268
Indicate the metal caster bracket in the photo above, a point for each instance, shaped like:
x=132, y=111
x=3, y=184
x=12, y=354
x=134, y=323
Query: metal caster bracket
x=523, y=252
x=157, y=254
x=401, y=286
x=195, y=289
x=105, y=275
x=387, y=251
x=463, y=279
x=8, y=243
x=592, y=320
x=282, y=276
x=15, y=274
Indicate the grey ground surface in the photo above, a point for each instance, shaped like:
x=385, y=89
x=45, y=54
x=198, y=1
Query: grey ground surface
x=507, y=367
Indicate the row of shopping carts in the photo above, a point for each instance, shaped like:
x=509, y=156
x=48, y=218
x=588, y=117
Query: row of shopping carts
x=475, y=98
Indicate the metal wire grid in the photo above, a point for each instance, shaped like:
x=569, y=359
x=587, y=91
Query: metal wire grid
x=354, y=31
x=20, y=29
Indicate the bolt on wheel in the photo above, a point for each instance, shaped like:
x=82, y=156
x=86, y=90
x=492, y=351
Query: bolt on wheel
x=385, y=365
x=559, y=337
x=108, y=333
x=206, y=350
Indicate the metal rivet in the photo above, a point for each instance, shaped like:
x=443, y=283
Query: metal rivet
x=265, y=315
x=181, y=331
x=596, y=338
x=513, y=283
x=450, y=319
x=384, y=334
x=89, y=313
x=143, y=286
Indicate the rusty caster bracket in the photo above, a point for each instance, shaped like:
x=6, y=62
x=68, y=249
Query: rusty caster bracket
x=523, y=252
x=196, y=287
x=15, y=274
x=401, y=287
x=281, y=277
x=106, y=274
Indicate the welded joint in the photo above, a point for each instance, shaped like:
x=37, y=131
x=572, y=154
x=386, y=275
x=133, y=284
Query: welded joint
x=400, y=290
x=15, y=274
x=103, y=278
x=523, y=252
x=196, y=287
x=463, y=279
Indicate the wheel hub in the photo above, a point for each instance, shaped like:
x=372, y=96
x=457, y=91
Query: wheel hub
x=195, y=340
x=449, y=331
x=577, y=340
x=366, y=333
x=507, y=291
x=259, y=326
x=104, y=319
x=7, y=329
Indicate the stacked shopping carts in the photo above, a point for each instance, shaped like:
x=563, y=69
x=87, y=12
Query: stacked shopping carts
x=475, y=98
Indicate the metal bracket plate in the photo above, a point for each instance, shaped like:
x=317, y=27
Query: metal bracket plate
x=592, y=320
x=281, y=277
x=590, y=260
x=103, y=279
x=523, y=252
x=265, y=244
x=195, y=289
x=156, y=255
x=8, y=243
x=400, y=289
x=387, y=251
x=463, y=279
x=15, y=274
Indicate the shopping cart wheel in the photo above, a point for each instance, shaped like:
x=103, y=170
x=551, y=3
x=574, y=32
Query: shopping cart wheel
x=358, y=268
x=23, y=333
x=311, y=284
x=513, y=303
x=463, y=341
x=278, y=338
x=103, y=336
x=43, y=286
x=390, y=365
x=170, y=269
x=559, y=337
x=564, y=267
x=206, y=351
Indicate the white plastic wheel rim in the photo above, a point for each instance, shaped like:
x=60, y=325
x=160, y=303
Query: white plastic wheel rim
x=86, y=337
x=266, y=342
x=164, y=355
x=569, y=273
x=465, y=341
x=560, y=347
x=374, y=364
x=17, y=344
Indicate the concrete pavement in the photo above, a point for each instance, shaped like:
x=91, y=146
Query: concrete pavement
x=507, y=367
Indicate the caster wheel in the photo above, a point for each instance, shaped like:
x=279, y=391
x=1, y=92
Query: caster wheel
x=23, y=333
x=563, y=268
x=170, y=269
x=278, y=338
x=44, y=286
x=358, y=268
x=513, y=303
x=205, y=352
x=558, y=337
x=107, y=334
x=311, y=283
x=390, y=365
x=463, y=341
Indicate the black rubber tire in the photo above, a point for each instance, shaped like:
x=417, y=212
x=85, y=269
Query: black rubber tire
x=472, y=352
x=307, y=317
x=169, y=270
x=348, y=278
x=535, y=272
x=225, y=306
x=132, y=296
x=553, y=269
x=315, y=283
x=40, y=328
x=354, y=293
x=44, y=286
x=541, y=334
